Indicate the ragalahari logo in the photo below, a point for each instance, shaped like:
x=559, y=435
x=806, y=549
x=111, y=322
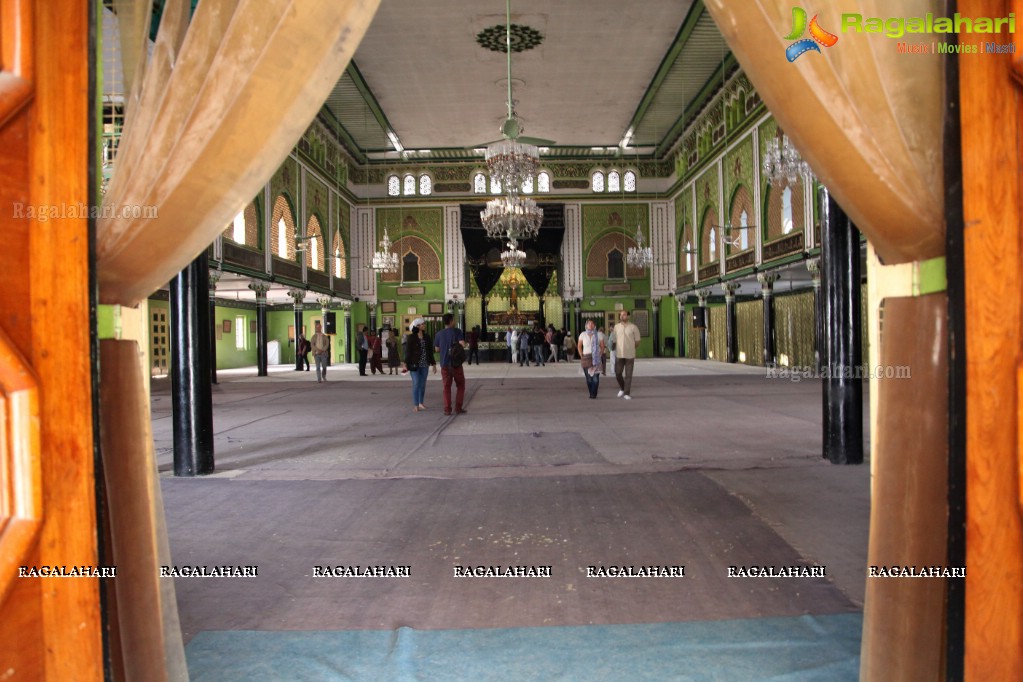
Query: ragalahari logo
x=817, y=35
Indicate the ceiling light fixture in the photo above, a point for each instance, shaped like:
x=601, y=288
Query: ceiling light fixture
x=513, y=256
x=512, y=216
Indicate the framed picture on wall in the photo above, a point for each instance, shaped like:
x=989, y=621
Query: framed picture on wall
x=252, y=326
x=389, y=321
x=388, y=307
x=227, y=326
x=436, y=308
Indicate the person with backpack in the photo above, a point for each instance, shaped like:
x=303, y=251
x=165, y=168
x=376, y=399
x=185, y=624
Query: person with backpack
x=450, y=344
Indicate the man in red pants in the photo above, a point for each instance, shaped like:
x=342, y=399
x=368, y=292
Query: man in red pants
x=450, y=343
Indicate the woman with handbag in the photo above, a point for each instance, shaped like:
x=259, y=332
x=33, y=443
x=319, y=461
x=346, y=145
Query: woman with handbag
x=591, y=349
x=418, y=354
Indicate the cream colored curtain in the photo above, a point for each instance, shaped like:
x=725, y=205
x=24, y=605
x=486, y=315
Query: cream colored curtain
x=867, y=118
x=210, y=115
x=870, y=122
x=219, y=105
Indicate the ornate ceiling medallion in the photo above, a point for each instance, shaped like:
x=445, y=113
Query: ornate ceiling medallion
x=522, y=38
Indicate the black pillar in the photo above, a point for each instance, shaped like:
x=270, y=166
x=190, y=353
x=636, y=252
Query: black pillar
x=657, y=325
x=578, y=318
x=213, y=278
x=191, y=388
x=843, y=394
x=483, y=324
x=261, y=335
x=298, y=330
x=372, y=317
x=767, y=281
x=566, y=313
x=543, y=312
x=680, y=304
x=731, y=335
x=349, y=357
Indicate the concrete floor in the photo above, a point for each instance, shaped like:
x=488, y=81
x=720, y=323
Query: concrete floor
x=757, y=438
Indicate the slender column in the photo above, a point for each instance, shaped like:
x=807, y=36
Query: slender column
x=701, y=300
x=460, y=312
x=814, y=266
x=767, y=280
x=578, y=317
x=731, y=333
x=214, y=278
x=372, y=307
x=260, y=287
x=191, y=390
x=346, y=306
x=298, y=295
x=655, y=302
x=680, y=301
x=483, y=324
x=325, y=302
x=843, y=390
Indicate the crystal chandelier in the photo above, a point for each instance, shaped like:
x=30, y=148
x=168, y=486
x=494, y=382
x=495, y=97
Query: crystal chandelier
x=512, y=216
x=385, y=260
x=513, y=256
x=640, y=256
x=783, y=162
x=511, y=162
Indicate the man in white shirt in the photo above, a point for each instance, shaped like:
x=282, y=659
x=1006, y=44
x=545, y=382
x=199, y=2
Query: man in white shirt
x=626, y=340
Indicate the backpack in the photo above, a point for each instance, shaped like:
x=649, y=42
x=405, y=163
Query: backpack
x=456, y=355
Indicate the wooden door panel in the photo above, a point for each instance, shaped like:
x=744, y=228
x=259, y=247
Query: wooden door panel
x=49, y=627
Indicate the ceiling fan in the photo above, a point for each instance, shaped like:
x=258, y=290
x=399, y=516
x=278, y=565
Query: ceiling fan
x=512, y=128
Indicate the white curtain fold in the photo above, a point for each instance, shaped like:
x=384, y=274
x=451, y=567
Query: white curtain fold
x=224, y=98
x=868, y=118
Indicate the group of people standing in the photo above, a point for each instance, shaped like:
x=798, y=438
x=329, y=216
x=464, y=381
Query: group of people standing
x=539, y=345
x=374, y=348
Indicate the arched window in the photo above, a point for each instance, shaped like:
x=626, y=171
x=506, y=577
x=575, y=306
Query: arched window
x=238, y=233
x=614, y=181
x=425, y=185
x=543, y=182
x=597, y=181
x=393, y=186
x=479, y=183
x=713, y=246
x=527, y=185
x=409, y=185
x=744, y=237
x=615, y=264
x=410, y=267
x=316, y=249
x=495, y=185
x=340, y=262
x=786, y=210
x=630, y=181
x=689, y=256
x=244, y=229
x=282, y=229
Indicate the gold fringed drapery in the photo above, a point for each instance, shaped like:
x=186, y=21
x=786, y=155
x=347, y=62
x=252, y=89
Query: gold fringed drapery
x=223, y=100
x=867, y=118
x=870, y=122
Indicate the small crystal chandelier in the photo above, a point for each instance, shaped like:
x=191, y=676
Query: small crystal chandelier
x=512, y=216
x=511, y=162
x=385, y=260
x=640, y=256
x=513, y=256
x=783, y=162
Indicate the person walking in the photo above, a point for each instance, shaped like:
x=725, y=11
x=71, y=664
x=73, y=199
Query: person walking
x=538, y=340
x=591, y=356
x=302, y=347
x=474, y=345
x=626, y=336
x=392, y=353
x=569, y=345
x=450, y=345
x=376, y=352
x=511, y=337
x=362, y=347
x=524, y=347
x=551, y=344
x=320, y=346
x=418, y=353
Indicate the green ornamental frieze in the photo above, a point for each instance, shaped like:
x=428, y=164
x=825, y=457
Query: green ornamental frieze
x=738, y=167
x=598, y=219
x=317, y=199
x=285, y=180
x=707, y=191
x=426, y=223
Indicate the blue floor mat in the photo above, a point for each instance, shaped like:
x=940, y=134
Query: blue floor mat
x=818, y=648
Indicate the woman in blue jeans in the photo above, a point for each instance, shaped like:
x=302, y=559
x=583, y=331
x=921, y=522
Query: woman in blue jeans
x=418, y=353
x=591, y=346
